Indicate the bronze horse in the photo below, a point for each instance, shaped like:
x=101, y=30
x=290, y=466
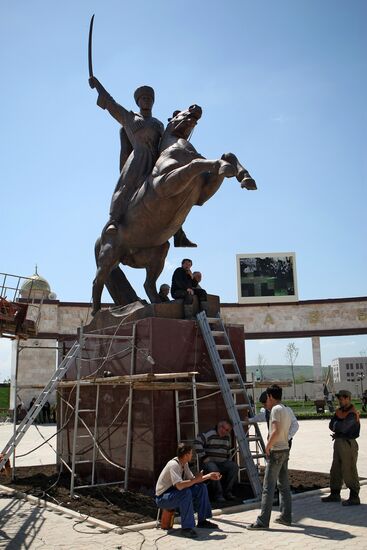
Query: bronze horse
x=181, y=178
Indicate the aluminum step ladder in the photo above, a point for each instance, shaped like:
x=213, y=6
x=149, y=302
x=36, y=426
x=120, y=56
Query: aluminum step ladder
x=231, y=384
x=38, y=404
x=80, y=411
x=187, y=420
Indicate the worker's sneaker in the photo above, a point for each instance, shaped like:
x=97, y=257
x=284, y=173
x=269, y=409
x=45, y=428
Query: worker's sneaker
x=189, y=533
x=229, y=496
x=352, y=501
x=206, y=524
x=256, y=527
x=282, y=521
x=333, y=497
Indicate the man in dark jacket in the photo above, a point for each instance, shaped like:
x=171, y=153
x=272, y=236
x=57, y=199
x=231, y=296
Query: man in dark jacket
x=185, y=286
x=345, y=426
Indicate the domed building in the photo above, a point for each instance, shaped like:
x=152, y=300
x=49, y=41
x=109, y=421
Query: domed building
x=36, y=288
x=35, y=359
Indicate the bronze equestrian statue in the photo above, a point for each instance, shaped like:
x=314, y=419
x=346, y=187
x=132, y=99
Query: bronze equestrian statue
x=181, y=178
x=161, y=178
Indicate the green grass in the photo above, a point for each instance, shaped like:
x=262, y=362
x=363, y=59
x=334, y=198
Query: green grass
x=308, y=409
x=4, y=397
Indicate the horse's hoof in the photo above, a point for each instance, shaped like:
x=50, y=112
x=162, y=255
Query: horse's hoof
x=111, y=229
x=249, y=184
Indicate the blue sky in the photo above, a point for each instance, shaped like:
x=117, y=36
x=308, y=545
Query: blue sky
x=282, y=84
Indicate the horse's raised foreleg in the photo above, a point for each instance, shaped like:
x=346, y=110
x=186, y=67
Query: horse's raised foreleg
x=178, y=179
x=242, y=175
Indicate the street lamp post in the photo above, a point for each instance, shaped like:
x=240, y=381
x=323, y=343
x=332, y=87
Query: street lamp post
x=360, y=379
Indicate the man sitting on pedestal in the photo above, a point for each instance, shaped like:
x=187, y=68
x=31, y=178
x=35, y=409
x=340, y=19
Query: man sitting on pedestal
x=178, y=487
x=185, y=286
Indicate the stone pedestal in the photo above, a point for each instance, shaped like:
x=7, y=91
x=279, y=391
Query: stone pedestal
x=174, y=346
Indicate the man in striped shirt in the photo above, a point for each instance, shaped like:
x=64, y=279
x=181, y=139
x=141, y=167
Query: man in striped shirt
x=213, y=449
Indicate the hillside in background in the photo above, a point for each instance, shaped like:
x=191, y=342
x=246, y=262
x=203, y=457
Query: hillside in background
x=281, y=372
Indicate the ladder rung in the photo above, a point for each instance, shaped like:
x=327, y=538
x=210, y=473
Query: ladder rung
x=83, y=461
x=83, y=436
x=237, y=391
x=213, y=319
x=223, y=347
x=258, y=455
x=227, y=361
x=232, y=376
x=218, y=332
x=186, y=423
x=243, y=406
x=254, y=438
x=87, y=410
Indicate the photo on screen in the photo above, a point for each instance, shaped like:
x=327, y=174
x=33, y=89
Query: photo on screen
x=269, y=277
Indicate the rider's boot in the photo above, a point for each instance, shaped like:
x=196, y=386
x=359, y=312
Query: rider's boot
x=188, y=312
x=181, y=241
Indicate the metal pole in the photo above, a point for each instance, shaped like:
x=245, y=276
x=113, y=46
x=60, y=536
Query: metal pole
x=76, y=411
x=95, y=435
x=129, y=420
x=15, y=407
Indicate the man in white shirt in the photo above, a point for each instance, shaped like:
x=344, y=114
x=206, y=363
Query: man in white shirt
x=264, y=416
x=178, y=487
x=276, y=471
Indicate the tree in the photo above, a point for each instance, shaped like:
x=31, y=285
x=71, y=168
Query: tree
x=291, y=354
x=261, y=362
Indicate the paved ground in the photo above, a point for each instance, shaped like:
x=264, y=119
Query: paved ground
x=316, y=525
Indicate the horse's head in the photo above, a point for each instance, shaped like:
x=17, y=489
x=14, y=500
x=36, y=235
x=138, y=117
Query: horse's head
x=183, y=122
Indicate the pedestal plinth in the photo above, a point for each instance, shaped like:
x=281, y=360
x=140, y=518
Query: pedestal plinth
x=162, y=346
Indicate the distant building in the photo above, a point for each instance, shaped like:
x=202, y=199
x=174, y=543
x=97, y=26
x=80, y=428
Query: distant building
x=348, y=369
x=34, y=360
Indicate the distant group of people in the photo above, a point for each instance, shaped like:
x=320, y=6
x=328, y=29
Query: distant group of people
x=178, y=487
x=47, y=413
x=185, y=285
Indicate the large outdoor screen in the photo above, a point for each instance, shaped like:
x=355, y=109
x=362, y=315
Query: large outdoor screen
x=265, y=278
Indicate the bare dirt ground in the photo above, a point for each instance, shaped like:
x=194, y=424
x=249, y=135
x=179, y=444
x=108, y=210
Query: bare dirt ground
x=118, y=507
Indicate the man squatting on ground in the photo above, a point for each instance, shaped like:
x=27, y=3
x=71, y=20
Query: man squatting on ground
x=178, y=487
x=214, y=451
x=186, y=287
x=276, y=470
x=345, y=426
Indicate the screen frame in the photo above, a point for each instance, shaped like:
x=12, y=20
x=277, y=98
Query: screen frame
x=267, y=299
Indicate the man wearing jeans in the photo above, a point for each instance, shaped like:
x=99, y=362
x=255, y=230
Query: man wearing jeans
x=276, y=471
x=178, y=487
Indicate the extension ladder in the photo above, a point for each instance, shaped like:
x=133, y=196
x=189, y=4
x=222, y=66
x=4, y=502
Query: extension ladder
x=38, y=404
x=232, y=385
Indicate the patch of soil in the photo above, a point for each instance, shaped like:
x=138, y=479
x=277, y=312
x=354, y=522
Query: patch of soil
x=123, y=508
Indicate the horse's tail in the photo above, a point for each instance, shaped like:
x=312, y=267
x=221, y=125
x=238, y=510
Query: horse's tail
x=97, y=249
